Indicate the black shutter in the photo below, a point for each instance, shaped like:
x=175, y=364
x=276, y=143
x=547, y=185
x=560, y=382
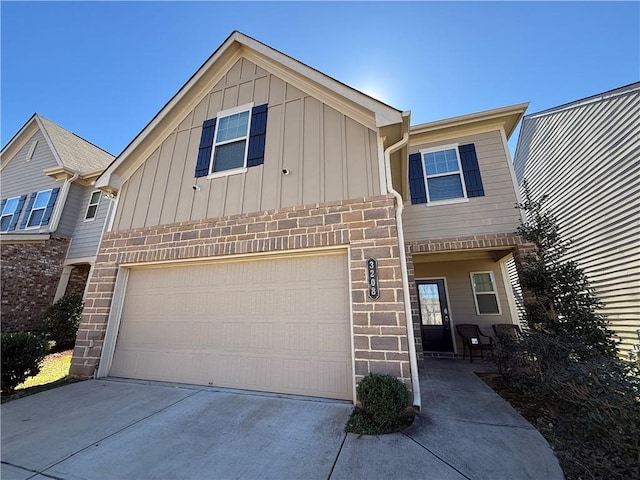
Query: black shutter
x=49, y=210
x=16, y=214
x=206, y=145
x=471, y=170
x=32, y=198
x=257, y=136
x=416, y=179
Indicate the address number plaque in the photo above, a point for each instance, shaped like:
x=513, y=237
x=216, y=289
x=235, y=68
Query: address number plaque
x=372, y=278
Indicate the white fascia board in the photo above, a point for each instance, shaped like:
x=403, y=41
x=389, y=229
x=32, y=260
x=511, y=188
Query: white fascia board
x=49, y=142
x=384, y=114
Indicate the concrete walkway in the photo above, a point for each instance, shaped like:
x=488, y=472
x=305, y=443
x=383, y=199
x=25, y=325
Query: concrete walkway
x=112, y=429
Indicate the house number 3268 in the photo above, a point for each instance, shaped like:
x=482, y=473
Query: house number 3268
x=372, y=278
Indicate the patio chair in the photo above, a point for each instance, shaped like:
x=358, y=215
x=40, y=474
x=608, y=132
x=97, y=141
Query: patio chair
x=472, y=340
x=507, y=330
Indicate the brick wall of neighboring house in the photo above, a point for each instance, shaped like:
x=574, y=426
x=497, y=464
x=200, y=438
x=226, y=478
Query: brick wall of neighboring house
x=366, y=225
x=519, y=246
x=30, y=274
x=78, y=278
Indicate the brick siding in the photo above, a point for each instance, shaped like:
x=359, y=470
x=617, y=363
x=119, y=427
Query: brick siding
x=366, y=225
x=30, y=274
x=78, y=278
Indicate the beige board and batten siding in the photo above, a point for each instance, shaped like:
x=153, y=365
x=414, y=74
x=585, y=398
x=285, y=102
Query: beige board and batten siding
x=460, y=292
x=329, y=156
x=495, y=212
x=277, y=324
x=586, y=158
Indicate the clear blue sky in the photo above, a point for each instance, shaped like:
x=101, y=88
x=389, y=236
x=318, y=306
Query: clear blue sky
x=103, y=70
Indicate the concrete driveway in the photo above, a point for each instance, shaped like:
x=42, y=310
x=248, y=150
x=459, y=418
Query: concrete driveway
x=112, y=429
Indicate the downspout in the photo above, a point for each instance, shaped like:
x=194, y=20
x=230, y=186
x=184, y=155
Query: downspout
x=64, y=191
x=417, y=403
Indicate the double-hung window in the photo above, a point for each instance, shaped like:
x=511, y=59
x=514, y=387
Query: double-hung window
x=233, y=141
x=444, y=179
x=230, y=141
x=38, y=208
x=485, y=294
x=92, y=208
x=445, y=174
x=8, y=211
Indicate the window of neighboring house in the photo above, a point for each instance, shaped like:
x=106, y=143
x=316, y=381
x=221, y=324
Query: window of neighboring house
x=443, y=174
x=230, y=141
x=38, y=209
x=485, y=294
x=8, y=211
x=92, y=208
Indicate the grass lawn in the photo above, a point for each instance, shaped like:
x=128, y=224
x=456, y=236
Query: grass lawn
x=53, y=373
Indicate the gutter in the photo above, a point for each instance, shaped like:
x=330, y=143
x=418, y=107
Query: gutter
x=417, y=403
x=64, y=191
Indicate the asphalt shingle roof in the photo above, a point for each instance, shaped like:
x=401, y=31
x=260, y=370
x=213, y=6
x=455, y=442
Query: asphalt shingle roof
x=75, y=152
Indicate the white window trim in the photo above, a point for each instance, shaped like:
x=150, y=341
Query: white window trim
x=494, y=292
x=90, y=204
x=34, y=227
x=453, y=146
x=2, y=214
x=247, y=107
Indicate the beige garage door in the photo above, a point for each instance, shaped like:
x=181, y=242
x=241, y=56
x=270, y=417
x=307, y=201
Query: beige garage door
x=276, y=325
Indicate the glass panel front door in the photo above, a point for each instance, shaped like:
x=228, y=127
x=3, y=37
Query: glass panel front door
x=434, y=316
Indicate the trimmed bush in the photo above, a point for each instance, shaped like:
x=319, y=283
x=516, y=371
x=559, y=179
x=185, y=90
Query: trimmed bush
x=22, y=354
x=62, y=320
x=384, y=401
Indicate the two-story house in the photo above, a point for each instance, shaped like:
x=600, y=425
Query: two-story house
x=51, y=218
x=277, y=230
x=584, y=155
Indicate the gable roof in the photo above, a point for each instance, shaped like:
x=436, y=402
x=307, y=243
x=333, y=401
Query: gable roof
x=632, y=87
x=71, y=151
x=361, y=107
x=504, y=117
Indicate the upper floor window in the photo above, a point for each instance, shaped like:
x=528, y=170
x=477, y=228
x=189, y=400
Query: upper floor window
x=36, y=214
x=92, y=208
x=447, y=173
x=485, y=293
x=9, y=209
x=230, y=141
x=233, y=141
x=443, y=174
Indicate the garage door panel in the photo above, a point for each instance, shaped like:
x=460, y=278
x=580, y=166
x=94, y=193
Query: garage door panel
x=278, y=325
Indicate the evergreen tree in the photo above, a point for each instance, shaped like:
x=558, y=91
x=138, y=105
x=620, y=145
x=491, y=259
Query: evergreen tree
x=565, y=305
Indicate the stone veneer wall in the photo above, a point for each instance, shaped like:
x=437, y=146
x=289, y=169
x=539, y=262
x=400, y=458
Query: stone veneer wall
x=520, y=249
x=366, y=225
x=30, y=272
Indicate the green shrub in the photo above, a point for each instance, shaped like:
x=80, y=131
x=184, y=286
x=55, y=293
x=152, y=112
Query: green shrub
x=384, y=400
x=62, y=320
x=22, y=354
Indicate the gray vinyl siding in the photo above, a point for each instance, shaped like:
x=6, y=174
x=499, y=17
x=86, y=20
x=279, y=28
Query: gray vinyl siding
x=329, y=156
x=586, y=158
x=86, y=234
x=22, y=177
x=67, y=223
x=495, y=212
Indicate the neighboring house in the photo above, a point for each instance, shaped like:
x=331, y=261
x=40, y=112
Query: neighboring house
x=52, y=218
x=259, y=242
x=585, y=155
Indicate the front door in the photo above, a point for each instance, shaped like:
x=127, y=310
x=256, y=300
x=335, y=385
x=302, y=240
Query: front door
x=434, y=316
